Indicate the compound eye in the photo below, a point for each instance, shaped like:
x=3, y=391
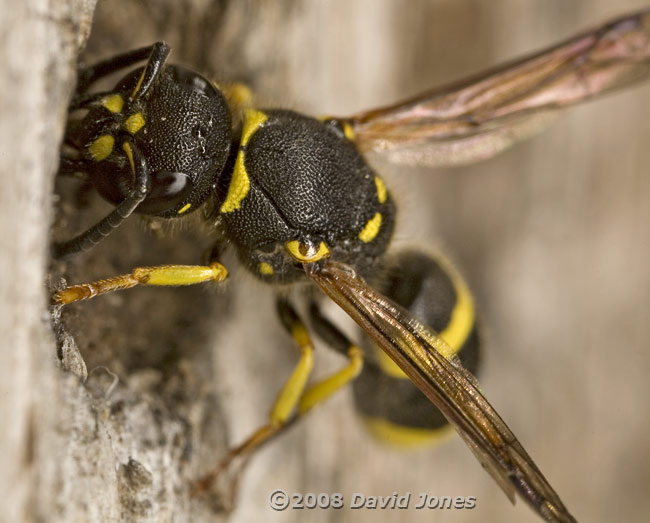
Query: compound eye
x=168, y=189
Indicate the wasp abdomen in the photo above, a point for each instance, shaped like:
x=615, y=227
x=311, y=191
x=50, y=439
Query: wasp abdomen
x=432, y=290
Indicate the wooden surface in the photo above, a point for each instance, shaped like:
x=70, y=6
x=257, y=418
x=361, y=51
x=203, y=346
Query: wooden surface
x=39, y=41
x=553, y=236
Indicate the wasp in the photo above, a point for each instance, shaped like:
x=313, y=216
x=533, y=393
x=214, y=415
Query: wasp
x=298, y=203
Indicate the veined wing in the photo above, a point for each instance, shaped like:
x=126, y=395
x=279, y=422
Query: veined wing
x=476, y=118
x=420, y=354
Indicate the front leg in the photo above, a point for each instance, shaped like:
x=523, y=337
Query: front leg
x=122, y=211
x=155, y=54
x=160, y=275
x=96, y=233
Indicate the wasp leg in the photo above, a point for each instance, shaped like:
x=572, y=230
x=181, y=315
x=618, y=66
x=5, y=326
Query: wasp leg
x=85, y=100
x=161, y=275
x=341, y=343
x=285, y=402
x=73, y=169
x=294, y=401
x=156, y=55
x=114, y=219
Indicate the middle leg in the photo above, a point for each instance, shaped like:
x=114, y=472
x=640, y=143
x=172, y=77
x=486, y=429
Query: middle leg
x=294, y=399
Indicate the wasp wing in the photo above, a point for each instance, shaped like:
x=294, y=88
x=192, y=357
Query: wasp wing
x=419, y=353
x=476, y=118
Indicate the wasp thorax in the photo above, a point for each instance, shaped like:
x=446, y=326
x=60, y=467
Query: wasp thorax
x=299, y=184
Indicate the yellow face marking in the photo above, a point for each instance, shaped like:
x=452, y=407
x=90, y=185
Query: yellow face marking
x=240, y=183
x=185, y=208
x=371, y=229
x=113, y=102
x=307, y=253
x=406, y=437
x=129, y=154
x=101, y=147
x=134, y=123
x=348, y=131
x=265, y=269
x=381, y=189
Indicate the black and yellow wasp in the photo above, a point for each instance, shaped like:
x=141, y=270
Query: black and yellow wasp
x=295, y=199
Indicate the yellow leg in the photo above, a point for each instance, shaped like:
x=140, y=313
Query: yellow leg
x=295, y=385
x=161, y=275
x=287, y=401
x=324, y=389
x=284, y=405
x=292, y=395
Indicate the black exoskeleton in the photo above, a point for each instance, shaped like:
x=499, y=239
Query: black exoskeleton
x=300, y=190
x=295, y=198
x=296, y=188
x=154, y=145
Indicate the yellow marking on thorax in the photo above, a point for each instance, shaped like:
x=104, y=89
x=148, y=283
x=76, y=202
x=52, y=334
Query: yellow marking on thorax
x=185, y=208
x=101, y=147
x=452, y=338
x=298, y=252
x=238, y=95
x=348, y=131
x=265, y=269
x=371, y=229
x=240, y=183
x=134, y=123
x=113, y=102
x=406, y=437
x=381, y=190
x=252, y=120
